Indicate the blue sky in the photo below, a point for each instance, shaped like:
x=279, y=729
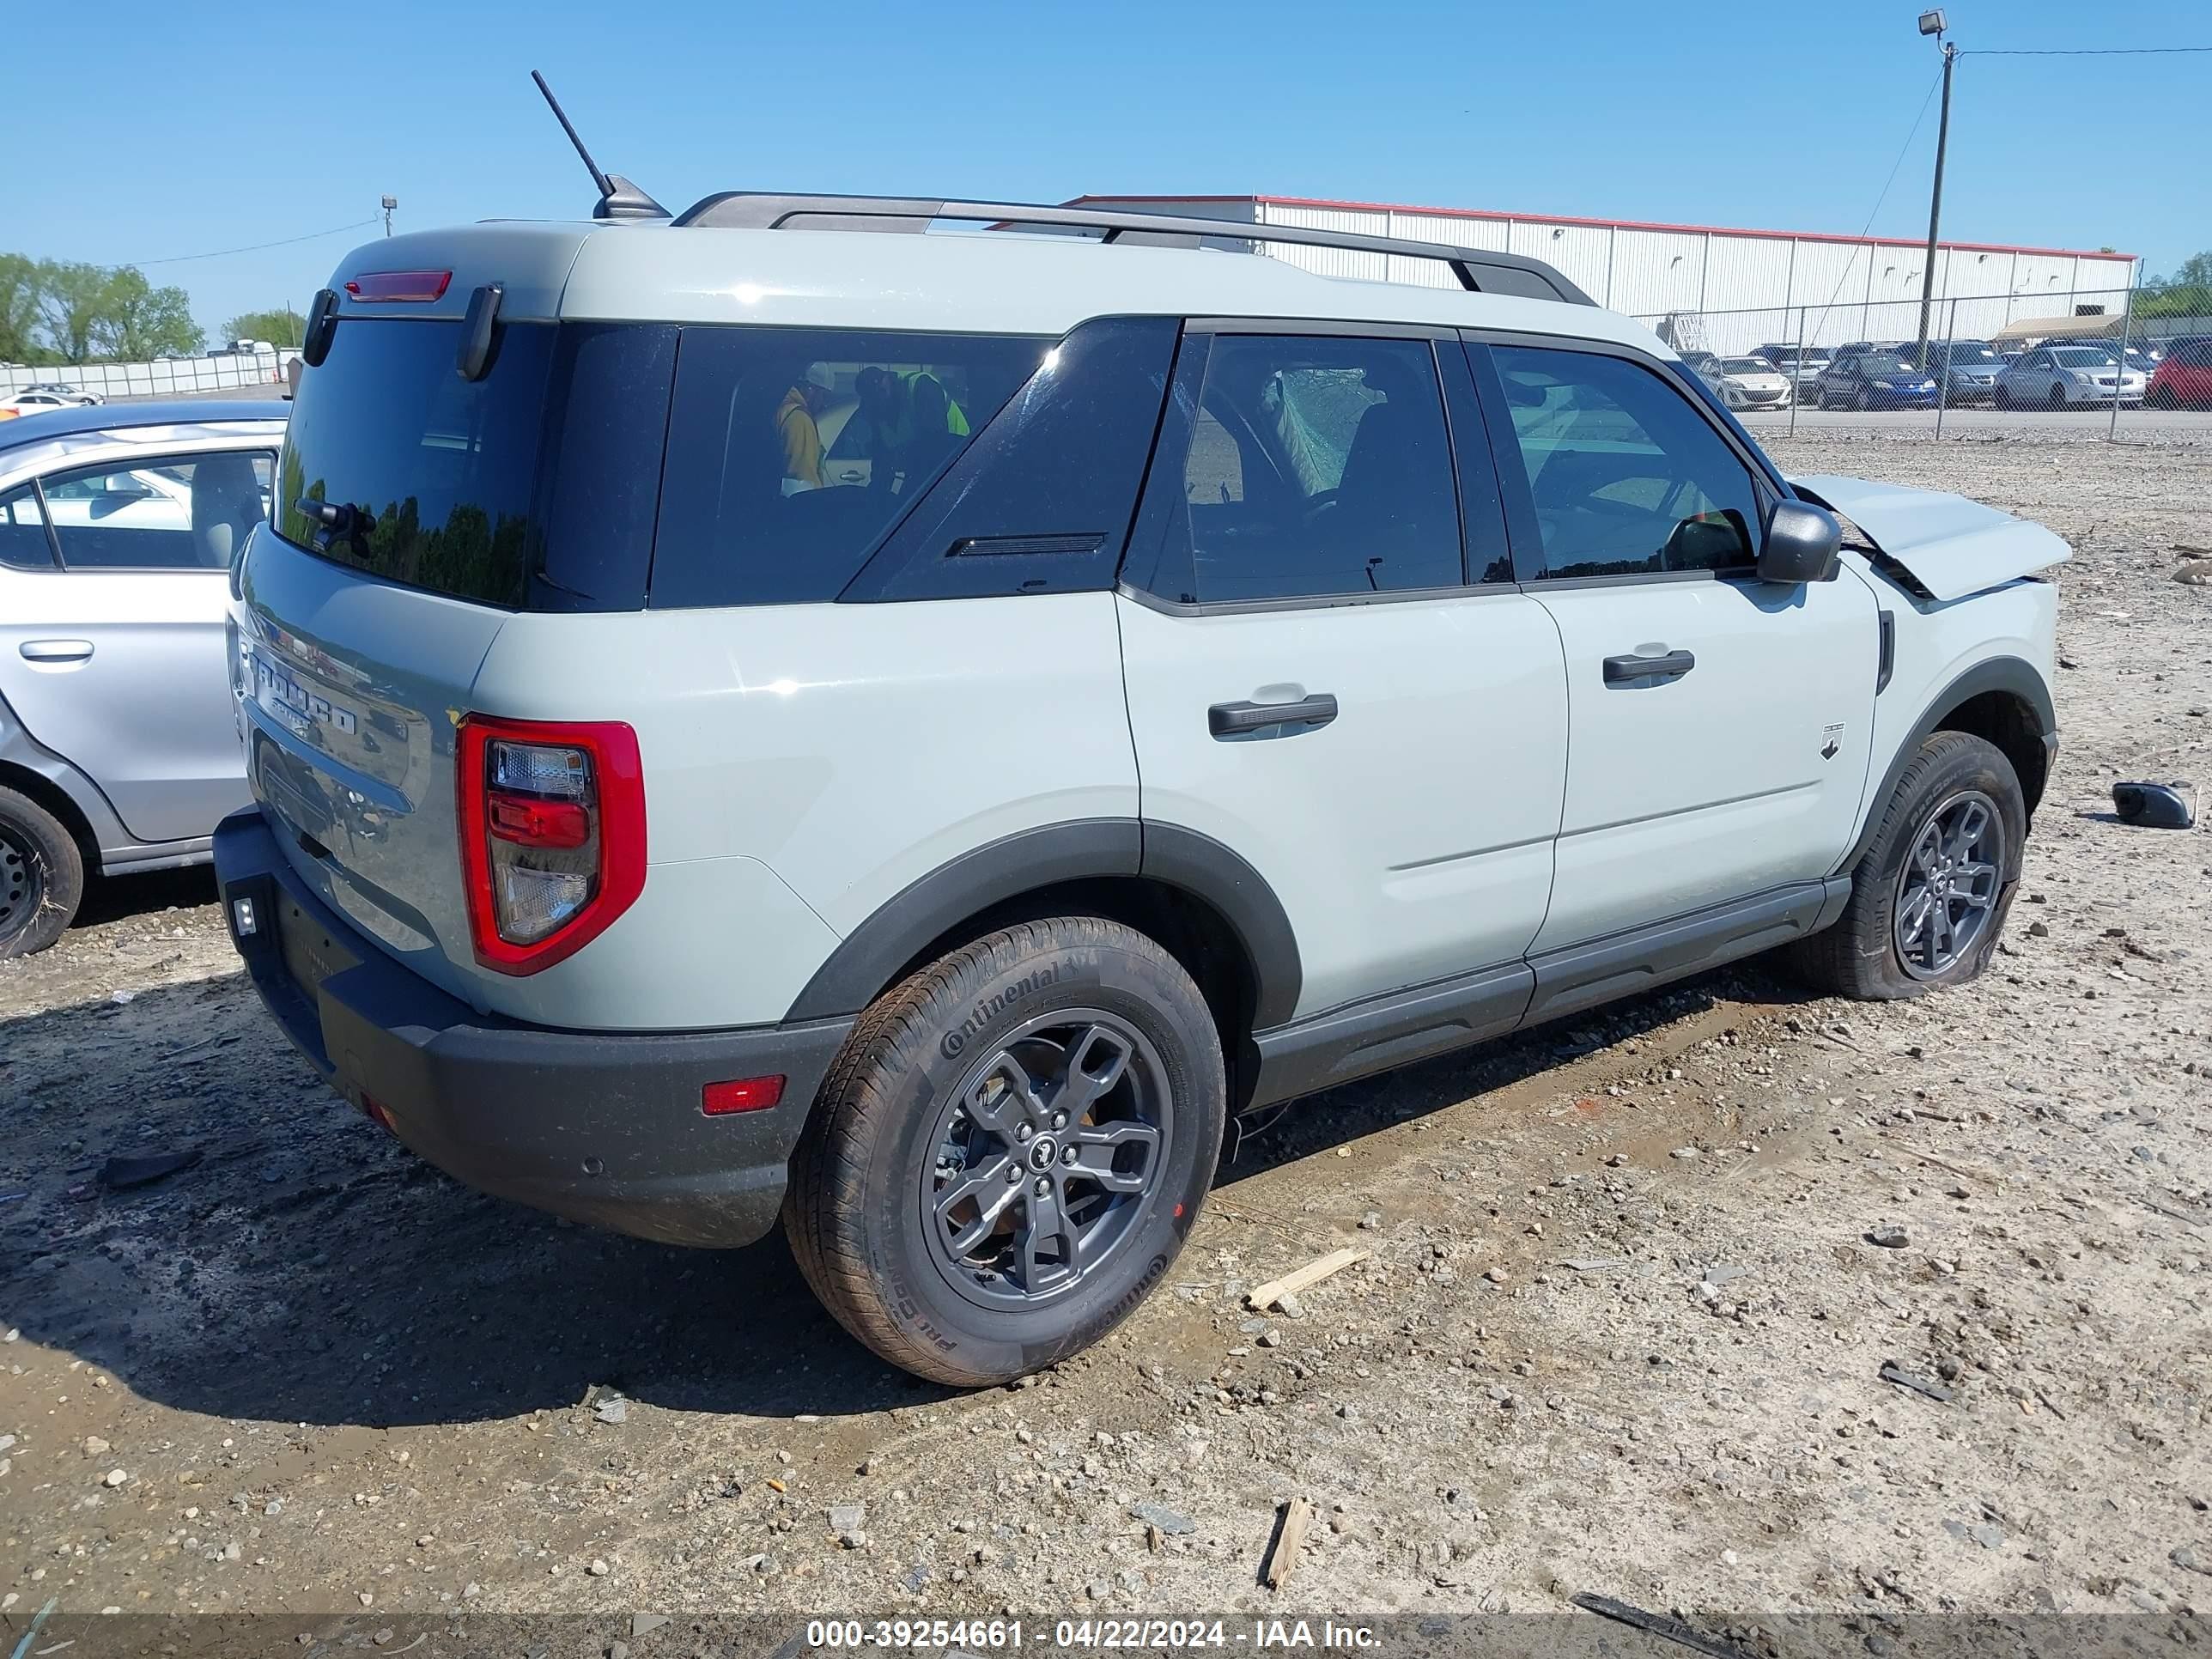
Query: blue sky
x=195, y=128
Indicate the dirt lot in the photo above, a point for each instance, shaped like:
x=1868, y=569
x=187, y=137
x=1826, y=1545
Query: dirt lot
x=1620, y=1331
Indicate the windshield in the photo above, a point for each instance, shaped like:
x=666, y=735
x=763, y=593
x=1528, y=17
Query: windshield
x=2082, y=357
x=1885, y=362
x=1971, y=351
x=1746, y=366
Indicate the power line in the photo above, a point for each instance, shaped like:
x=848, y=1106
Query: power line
x=257, y=248
x=2075, y=52
x=1902, y=153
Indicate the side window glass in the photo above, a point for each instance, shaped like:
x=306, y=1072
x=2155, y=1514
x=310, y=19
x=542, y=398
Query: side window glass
x=1627, y=477
x=190, y=513
x=1317, y=467
x=1213, y=472
x=23, y=542
x=793, y=451
x=1041, y=501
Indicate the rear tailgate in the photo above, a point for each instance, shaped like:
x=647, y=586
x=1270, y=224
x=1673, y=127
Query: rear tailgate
x=351, y=687
x=418, y=509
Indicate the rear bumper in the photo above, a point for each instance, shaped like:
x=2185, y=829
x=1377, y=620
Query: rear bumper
x=597, y=1126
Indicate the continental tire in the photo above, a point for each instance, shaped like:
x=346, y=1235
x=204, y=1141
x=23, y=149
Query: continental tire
x=41, y=875
x=1010, y=1150
x=1929, y=897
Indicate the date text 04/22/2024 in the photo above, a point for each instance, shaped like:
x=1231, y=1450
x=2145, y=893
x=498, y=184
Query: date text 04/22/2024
x=984, y=1635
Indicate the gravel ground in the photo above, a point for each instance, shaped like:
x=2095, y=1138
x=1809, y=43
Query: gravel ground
x=1622, y=1328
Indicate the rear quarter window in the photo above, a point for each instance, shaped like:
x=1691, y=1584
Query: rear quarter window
x=793, y=452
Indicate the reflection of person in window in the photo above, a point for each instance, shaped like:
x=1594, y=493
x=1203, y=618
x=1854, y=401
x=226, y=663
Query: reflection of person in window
x=795, y=423
x=913, y=421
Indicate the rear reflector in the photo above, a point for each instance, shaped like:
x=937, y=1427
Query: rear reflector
x=529, y=822
x=751, y=1094
x=380, y=287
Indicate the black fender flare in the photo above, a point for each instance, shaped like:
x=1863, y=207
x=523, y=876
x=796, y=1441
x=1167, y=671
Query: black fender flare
x=2007, y=674
x=978, y=880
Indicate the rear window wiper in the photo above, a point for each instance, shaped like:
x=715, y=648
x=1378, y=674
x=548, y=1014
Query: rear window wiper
x=334, y=519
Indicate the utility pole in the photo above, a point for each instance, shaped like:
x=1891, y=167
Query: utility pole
x=1932, y=22
x=393, y=202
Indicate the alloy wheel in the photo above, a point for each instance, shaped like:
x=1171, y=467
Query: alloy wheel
x=1947, y=892
x=1046, y=1159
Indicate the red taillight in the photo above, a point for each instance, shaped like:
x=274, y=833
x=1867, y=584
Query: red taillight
x=382, y=287
x=751, y=1094
x=552, y=825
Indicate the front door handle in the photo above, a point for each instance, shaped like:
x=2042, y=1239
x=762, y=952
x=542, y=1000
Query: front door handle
x=55, y=650
x=1228, y=719
x=1672, y=666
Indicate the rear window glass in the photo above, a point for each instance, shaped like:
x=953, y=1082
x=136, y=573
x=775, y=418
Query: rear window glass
x=793, y=452
x=422, y=477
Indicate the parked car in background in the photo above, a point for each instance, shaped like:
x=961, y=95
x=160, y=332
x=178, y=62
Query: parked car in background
x=72, y=394
x=2143, y=358
x=27, y=401
x=2184, y=377
x=1802, y=364
x=1697, y=360
x=1869, y=377
x=119, y=741
x=1745, y=383
x=2061, y=376
x=1966, y=369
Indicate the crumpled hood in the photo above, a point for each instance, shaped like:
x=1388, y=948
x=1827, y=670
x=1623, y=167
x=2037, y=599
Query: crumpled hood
x=1952, y=546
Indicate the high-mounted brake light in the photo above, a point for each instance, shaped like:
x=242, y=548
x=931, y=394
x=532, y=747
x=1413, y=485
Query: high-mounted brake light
x=552, y=826
x=380, y=287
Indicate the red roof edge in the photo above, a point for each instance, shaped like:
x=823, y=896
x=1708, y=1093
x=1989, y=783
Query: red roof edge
x=1619, y=224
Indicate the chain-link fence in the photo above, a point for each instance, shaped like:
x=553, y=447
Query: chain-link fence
x=2108, y=364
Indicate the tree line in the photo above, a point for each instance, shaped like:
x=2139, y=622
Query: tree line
x=73, y=313
x=2187, y=293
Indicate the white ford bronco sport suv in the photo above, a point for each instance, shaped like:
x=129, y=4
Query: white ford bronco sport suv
x=757, y=713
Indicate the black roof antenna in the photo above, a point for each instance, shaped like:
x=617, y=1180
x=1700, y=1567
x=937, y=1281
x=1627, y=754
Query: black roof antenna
x=618, y=198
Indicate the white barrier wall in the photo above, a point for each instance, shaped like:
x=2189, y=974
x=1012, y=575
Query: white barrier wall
x=1849, y=286
x=172, y=377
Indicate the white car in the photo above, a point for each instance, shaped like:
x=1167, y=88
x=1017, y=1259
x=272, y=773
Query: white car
x=119, y=745
x=35, y=403
x=68, y=394
x=2059, y=376
x=1748, y=383
x=1264, y=681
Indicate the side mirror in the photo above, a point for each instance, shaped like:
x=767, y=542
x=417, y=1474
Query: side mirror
x=1801, y=543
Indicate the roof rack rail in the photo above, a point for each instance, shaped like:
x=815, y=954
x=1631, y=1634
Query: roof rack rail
x=1479, y=269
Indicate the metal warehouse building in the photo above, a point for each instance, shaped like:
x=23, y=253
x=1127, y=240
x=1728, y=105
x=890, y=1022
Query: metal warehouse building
x=1724, y=289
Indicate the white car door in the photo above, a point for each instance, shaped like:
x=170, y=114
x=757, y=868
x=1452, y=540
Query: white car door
x=111, y=653
x=1718, y=725
x=1313, y=680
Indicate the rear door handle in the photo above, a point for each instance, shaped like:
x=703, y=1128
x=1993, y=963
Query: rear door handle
x=55, y=650
x=1227, y=719
x=1672, y=666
